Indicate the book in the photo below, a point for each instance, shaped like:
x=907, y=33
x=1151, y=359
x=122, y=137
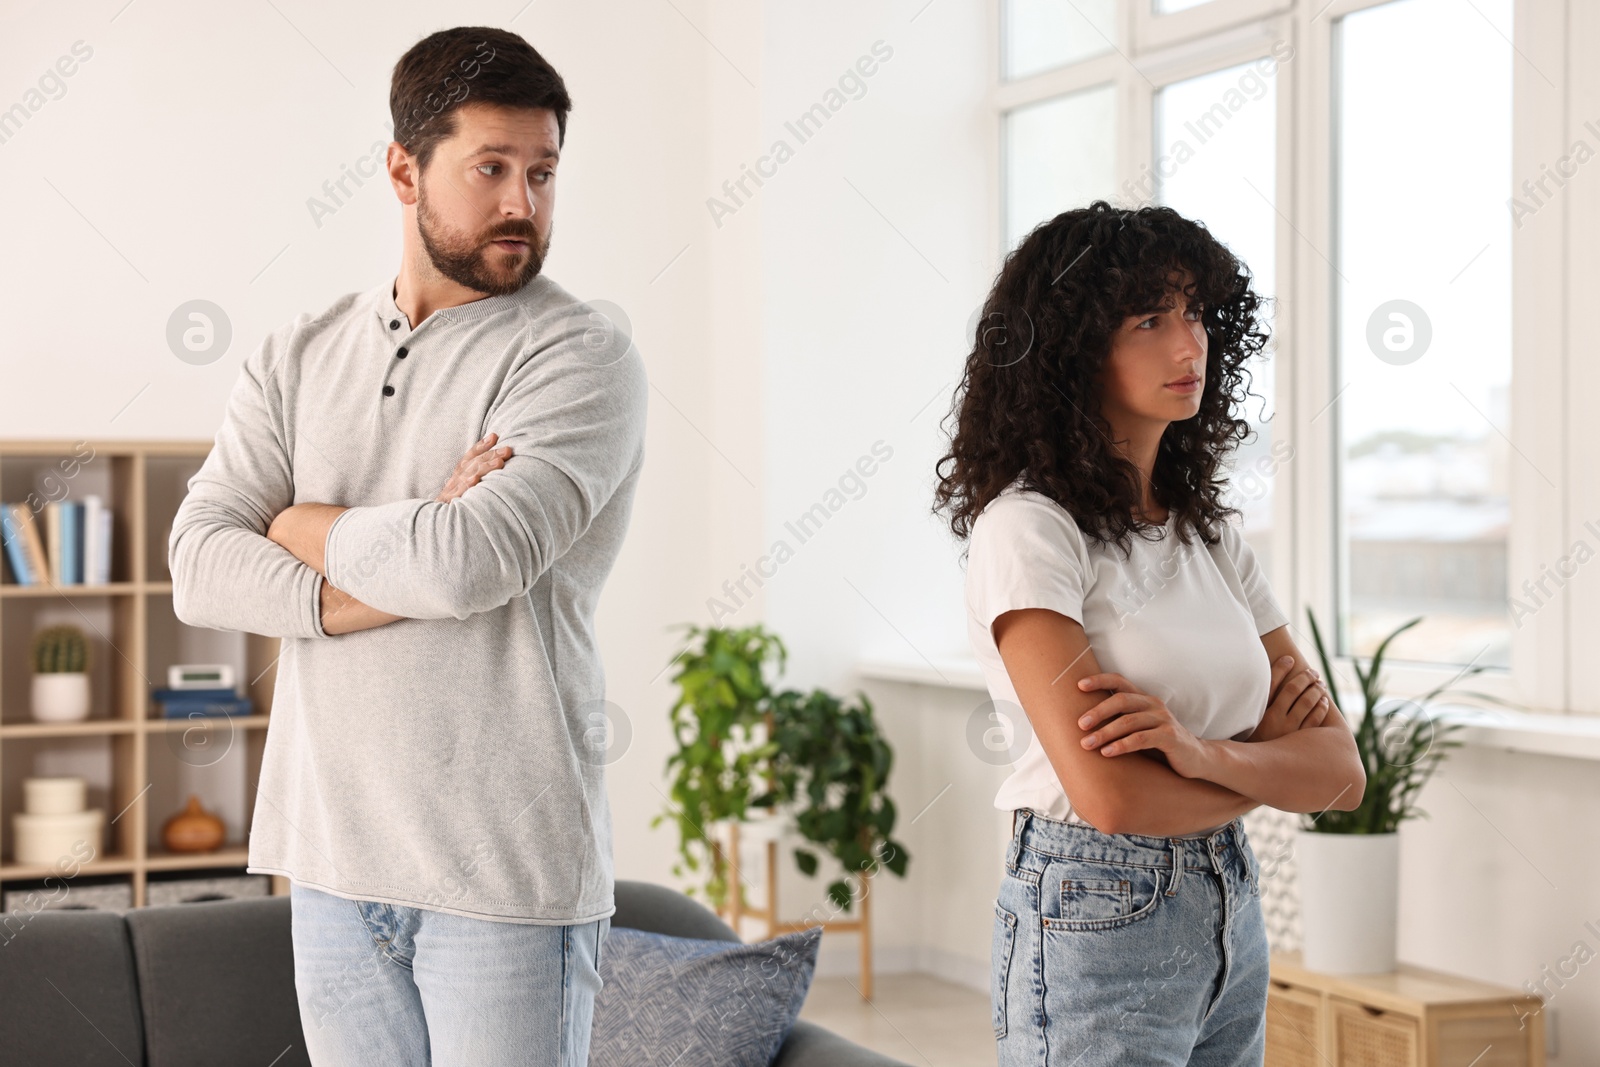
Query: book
x=91, y=541
x=52, y=542
x=71, y=542
x=174, y=695
x=96, y=541
x=74, y=549
x=179, y=709
x=37, y=560
x=105, y=545
x=15, y=553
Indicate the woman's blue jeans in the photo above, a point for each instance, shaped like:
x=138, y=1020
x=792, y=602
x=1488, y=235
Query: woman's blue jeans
x=410, y=987
x=1125, y=949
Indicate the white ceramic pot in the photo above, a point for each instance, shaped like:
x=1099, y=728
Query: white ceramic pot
x=61, y=696
x=1349, y=901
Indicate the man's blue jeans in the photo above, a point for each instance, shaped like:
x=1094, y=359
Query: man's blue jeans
x=1121, y=949
x=410, y=987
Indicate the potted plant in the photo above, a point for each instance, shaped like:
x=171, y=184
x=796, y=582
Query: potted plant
x=812, y=755
x=722, y=699
x=61, y=674
x=1349, y=860
x=832, y=765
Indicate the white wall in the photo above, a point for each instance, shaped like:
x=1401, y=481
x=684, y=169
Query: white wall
x=880, y=243
x=1498, y=883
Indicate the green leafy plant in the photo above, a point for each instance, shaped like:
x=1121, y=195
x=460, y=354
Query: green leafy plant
x=833, y=760
x=722, y=698
x=60, y=650
x=1401, y=744
x=819, y=756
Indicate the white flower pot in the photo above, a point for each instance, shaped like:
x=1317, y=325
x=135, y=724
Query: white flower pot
x=61, y=697
x=1349, y=901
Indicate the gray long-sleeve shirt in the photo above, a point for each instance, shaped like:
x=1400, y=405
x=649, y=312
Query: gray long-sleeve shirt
x=446, y=760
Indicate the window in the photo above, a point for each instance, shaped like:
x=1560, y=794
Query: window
x=1041, y=34
x=1215, y=161
x=1059, y=153
x=1423, y=328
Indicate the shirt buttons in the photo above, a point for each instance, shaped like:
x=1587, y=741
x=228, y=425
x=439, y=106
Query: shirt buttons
x=401, y=354
x=388, y=390
x=394, y=324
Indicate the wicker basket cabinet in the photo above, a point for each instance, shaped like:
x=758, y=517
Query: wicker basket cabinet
x=1412, y=1017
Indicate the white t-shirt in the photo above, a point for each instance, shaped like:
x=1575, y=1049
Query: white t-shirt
x=1181, y=622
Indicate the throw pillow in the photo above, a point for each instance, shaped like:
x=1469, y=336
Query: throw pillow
x=688, y=1001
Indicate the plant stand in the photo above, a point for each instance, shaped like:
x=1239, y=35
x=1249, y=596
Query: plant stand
x=735, y=910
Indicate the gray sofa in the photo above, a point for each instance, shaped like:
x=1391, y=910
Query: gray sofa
x=212, y=982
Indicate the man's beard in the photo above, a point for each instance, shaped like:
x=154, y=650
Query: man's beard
x=465, y=260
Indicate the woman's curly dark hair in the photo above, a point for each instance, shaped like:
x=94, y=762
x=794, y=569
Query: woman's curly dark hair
x=1029, y=402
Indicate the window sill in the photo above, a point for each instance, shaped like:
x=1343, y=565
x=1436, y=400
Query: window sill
x=1574, y=736
x=947, y=672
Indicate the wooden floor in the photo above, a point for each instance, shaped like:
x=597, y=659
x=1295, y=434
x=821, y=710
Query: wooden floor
x=922, y=1020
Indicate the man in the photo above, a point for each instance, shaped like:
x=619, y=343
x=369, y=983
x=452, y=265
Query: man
x=426, y=785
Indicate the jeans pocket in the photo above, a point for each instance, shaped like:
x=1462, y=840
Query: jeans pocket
x=1099, y=896
x=1004, y=940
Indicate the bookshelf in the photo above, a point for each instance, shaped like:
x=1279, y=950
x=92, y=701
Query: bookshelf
x=140, y=766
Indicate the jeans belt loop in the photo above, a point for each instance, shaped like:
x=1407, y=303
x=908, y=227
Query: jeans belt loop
x=1014, y=849
x=1177, y=866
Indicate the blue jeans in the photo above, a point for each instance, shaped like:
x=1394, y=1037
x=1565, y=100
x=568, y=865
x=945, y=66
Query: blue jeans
x=1125, y=949
x=409, y=987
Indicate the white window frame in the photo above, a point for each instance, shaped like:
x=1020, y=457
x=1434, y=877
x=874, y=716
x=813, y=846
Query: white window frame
x=1152, y=31
x=1152, y=51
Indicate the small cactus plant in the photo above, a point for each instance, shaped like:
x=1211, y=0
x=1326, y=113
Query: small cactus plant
x=60, y=650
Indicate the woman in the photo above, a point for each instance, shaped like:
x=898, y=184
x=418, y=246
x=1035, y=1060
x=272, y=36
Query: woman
x=1108, y=594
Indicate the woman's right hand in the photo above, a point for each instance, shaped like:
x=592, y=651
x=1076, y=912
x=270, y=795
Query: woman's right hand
x=1297, y=702
x=480, y=459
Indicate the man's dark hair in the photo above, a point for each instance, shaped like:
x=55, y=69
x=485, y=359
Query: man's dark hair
x=468, y=64
x=1029, y=399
